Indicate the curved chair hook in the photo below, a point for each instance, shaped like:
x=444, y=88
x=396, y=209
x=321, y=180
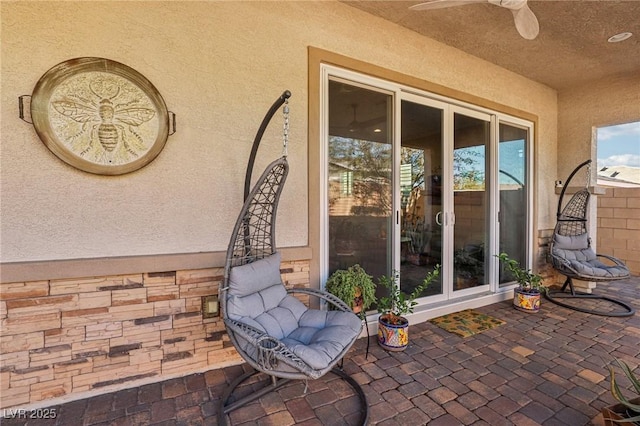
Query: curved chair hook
x=566, y=185
x=256, y=142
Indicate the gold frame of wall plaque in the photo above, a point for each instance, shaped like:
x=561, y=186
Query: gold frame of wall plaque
x=100, y=116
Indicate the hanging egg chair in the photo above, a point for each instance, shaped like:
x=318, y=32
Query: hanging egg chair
x=572, y=255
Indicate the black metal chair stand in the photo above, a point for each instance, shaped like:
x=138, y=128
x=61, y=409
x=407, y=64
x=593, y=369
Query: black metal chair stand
x=228, y=403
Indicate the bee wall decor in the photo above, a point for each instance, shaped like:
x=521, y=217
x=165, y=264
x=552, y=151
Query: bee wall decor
x=99, y=116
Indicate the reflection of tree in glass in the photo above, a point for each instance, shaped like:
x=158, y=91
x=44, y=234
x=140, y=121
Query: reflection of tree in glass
x=468, y=168
x=371, y=166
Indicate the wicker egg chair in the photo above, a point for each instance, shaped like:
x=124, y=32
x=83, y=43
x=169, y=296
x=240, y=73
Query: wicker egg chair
x=273, y=331
x=572, y=255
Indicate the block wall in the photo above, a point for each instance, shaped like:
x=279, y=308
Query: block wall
x=619, y=225
x=100, y=334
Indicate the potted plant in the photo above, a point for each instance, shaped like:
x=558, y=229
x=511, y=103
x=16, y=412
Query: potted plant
x=627, y=410
x=418, y=239
x=393, y=327
x=347, y=235
x=468, y=264
x=527, y=295
x=354, y=287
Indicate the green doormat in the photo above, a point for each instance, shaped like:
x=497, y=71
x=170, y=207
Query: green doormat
x=466, y=323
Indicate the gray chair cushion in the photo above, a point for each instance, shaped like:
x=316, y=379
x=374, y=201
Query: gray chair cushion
x=576, y=251
x=243, y=279
x=595, y=268
x=571, y=242
x=258, y=298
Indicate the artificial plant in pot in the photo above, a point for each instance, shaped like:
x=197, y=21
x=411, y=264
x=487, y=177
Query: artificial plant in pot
x=393, y=327
x=526, y=296
x=627, y=410
x=354, y=287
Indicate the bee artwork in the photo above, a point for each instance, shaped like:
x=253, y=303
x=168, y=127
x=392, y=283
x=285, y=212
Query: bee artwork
x=103, y=118
x=99, y=116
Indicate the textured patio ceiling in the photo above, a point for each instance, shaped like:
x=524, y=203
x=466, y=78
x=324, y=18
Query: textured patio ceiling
x=571, y=49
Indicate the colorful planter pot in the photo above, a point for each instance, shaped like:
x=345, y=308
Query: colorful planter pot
x=526, y=301
x=358, y=301
x=393, y=337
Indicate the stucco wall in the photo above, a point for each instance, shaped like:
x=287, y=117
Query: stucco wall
x=219, y=66
x=582, y=109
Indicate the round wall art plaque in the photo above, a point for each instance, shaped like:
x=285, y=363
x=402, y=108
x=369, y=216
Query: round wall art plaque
x=99, y=116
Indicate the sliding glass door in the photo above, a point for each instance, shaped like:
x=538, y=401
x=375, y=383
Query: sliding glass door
x=412, y=182
x=444, y=191
x=512, y=180
x=421, y=194
x=471, y=189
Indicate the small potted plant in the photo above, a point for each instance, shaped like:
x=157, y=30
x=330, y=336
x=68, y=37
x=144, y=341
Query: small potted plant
x=418, y=239
x=468, y=263
x=393, y=327
x=526, y=296
x=627, y=410
x=354, y=287
x=347, y=238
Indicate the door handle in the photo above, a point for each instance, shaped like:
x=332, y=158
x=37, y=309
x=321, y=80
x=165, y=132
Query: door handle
x=438, y=216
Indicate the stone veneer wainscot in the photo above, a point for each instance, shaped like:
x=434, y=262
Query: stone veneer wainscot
x=74, y=337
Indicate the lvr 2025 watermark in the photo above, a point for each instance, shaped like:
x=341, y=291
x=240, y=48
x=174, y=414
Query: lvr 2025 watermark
x=21, y=413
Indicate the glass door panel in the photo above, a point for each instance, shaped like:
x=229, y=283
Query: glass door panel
x=512, y=178
x=359, y=183
x=421, y=164
x=471, y=138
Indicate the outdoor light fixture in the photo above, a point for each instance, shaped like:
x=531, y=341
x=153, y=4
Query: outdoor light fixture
x=619, y=37
x=210, y=306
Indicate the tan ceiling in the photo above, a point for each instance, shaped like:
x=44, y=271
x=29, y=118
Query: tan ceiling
x=571, y=49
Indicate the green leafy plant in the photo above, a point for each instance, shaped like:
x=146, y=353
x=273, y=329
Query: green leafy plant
x=633, y=409
x=469, y=261
x=347, y=283
x=399, y=303
x=527, y=280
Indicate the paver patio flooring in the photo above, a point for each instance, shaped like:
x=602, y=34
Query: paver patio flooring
x=547, y=368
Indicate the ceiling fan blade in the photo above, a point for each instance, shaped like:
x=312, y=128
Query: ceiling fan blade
x=441, y=4
x=526, y=22
x=372, y=122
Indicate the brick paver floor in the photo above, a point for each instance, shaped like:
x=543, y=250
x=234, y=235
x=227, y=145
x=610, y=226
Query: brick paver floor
x=547, y=368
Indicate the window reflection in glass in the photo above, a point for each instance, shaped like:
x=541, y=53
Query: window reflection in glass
x=360, y=179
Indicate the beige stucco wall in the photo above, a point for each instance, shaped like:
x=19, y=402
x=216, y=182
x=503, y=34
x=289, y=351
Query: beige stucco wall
x=219, y=66
x=582, y=109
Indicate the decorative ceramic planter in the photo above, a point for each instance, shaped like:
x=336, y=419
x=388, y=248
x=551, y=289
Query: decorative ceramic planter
x=526, y=301
x=617, y=412
x=357, y=303
x=392, y=337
